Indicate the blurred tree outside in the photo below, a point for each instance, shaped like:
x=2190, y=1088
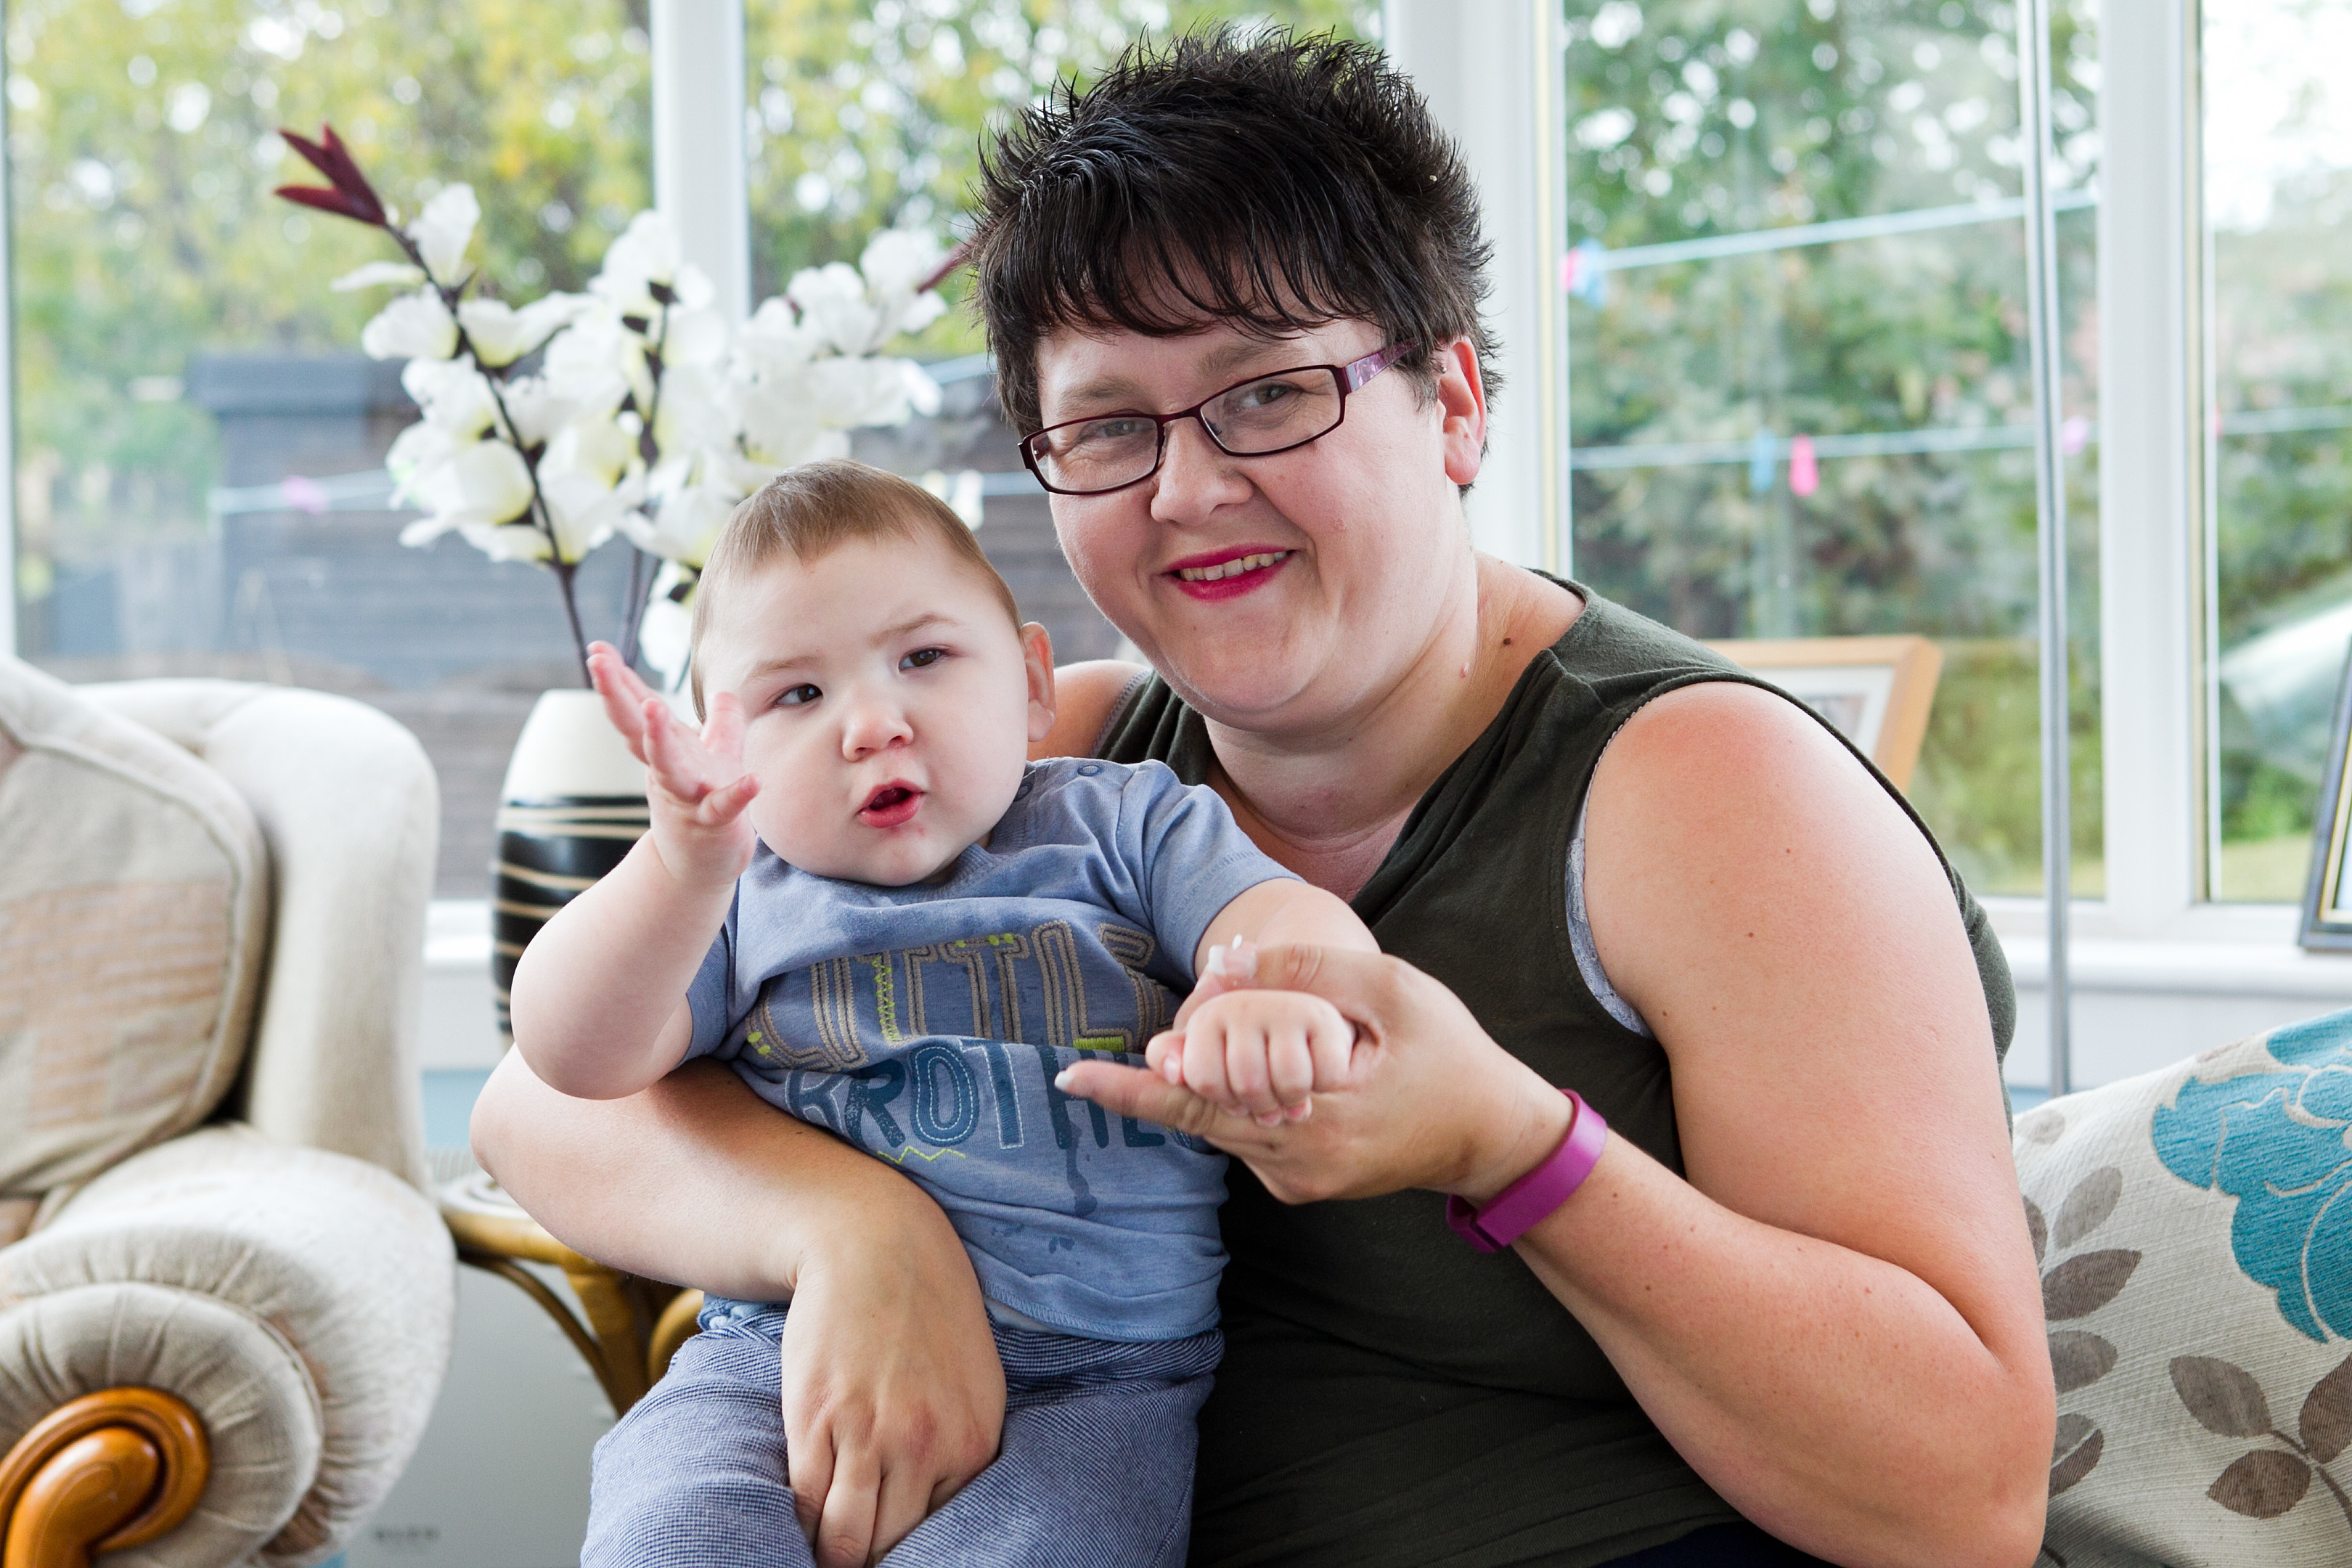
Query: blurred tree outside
x=1690, y=118
x=142, y=135
x=868, y=113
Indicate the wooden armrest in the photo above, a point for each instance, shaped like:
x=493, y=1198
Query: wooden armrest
x=109, y=1470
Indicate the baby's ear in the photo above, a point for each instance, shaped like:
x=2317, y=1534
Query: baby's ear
x=1037, y=659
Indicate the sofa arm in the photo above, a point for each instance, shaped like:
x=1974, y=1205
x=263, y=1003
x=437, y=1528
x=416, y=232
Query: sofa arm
x=301, y=1302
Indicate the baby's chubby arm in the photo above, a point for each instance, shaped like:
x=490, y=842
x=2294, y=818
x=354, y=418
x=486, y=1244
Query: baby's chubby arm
x=1261, y=1053
x=600, y=995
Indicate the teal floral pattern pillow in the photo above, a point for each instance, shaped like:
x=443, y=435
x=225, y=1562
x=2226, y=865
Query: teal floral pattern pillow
x=2194, y=1227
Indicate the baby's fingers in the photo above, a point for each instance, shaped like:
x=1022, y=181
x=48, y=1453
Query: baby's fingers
x=725, y=804
x=624, y=695
x=1248, y=1074
x=673, y=754
x=1290, y=1063
x=1331, y=1047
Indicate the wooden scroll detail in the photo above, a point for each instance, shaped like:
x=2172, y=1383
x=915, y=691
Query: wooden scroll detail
x=109, y=1470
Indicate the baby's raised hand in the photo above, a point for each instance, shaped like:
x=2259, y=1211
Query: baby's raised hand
x=695, y=784
x=1258, y=1053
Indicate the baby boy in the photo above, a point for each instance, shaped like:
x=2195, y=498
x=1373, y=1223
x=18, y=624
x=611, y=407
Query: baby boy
x=859, y=891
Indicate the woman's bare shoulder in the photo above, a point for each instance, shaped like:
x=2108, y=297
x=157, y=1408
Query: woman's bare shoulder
x=1083, y=696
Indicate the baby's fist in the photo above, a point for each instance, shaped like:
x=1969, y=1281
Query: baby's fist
x=1260, y=1053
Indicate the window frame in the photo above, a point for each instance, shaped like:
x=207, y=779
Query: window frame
x=2156, y=565
x=2154, y=546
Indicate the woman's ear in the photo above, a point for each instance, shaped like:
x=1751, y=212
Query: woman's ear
x=1462, y=408
x=1038, y=657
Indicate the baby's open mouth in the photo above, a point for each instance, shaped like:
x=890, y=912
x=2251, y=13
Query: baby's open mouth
x=890, y=805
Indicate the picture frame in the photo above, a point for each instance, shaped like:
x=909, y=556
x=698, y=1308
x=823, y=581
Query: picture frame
x=1876, y=691
x=2328, y=897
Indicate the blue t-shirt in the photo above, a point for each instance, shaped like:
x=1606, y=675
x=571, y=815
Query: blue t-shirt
x=925, y=1024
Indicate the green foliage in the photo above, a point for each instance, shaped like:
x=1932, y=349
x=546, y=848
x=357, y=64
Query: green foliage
x=1693, y=118
x=143, y=148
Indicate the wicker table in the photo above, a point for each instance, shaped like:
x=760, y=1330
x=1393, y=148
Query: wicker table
x=633, y=1326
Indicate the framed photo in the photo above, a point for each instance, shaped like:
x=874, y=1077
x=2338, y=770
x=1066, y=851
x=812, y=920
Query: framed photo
x=2327, y=901
x=1876, y=691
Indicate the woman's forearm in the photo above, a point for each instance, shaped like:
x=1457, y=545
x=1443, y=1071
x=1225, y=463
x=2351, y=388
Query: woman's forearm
x=1835, y=1398
x=695, y=1181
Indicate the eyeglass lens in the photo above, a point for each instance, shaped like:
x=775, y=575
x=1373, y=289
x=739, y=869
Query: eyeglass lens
x=1267, y=414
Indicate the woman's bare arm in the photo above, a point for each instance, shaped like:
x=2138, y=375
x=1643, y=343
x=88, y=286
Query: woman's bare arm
x=1835, y=1318
x=893, y=1396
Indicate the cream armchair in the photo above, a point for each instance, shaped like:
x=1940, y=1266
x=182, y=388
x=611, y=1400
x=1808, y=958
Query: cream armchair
x=225, y=1302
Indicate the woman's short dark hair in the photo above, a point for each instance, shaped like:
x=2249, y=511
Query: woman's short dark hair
x=1268, y=181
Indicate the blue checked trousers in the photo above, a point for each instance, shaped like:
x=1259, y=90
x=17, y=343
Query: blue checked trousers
x=1096, y=1471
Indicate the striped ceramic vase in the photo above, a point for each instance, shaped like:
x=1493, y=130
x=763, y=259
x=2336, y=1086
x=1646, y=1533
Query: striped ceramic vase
x=573, y=803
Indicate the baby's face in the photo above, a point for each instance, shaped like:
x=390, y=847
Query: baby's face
x=887, y=702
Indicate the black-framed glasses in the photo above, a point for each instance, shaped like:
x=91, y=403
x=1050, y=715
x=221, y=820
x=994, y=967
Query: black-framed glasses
x=1253, y=419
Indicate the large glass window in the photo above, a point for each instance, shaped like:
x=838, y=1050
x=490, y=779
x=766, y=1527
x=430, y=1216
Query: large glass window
x=865, y=113
x=2278, y=210
x=1799, y=391
x=199, y=443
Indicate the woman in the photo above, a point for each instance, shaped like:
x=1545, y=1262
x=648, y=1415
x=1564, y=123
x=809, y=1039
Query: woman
x=1792, y=1302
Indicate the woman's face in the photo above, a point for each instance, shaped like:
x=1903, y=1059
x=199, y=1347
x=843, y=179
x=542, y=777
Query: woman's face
x=1281, y=593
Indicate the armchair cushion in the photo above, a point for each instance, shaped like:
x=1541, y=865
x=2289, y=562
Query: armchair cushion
x=2194, y=1227
x=133, y=923
x=301, y=1301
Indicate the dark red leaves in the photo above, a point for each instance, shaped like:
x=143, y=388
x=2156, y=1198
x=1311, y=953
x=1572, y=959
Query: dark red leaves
x=351, y=196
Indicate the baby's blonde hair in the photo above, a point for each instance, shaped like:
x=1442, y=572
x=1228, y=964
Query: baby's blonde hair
x=812, y=509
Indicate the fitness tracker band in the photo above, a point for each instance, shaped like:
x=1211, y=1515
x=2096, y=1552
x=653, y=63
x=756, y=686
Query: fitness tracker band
x=1518, y=1206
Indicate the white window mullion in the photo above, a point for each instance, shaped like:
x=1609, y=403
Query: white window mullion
x=2147, y=511
x=700, y=180
x=7, y=402
x=1490, y=74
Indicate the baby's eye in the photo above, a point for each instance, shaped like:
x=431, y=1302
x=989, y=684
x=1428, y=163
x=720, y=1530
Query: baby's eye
x=796, y=696
x=922, y=659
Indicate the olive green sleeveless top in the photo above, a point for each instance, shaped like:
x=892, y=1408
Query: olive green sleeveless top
x=1390, y=1396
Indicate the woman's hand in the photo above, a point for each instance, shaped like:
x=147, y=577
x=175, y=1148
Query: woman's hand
x=893, y=1393
x=1426, y=1099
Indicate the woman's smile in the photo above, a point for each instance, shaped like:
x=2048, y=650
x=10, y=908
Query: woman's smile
x=1227, y=574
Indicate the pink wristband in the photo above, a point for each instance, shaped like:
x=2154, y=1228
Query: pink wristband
x=1518, y=1206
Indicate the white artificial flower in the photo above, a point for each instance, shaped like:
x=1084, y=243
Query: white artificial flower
x=598, y=449
x=646, y=254
x=780, y=435
x=698, y=410
x=922, y=392
x=586, y=509
x=501, y=334
x=832, y=299
x=896, y=264
x=414, y=326
x=694, y=337
x=666, y=633
x=507, y=542
x=444, y=229
x=686, y=524
x=453, y=395
x=376, y=273
x=540, y=405
x=419, y=456
x=483, y=485
x=848, y=393
x=775, y=341
x=896, y=261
